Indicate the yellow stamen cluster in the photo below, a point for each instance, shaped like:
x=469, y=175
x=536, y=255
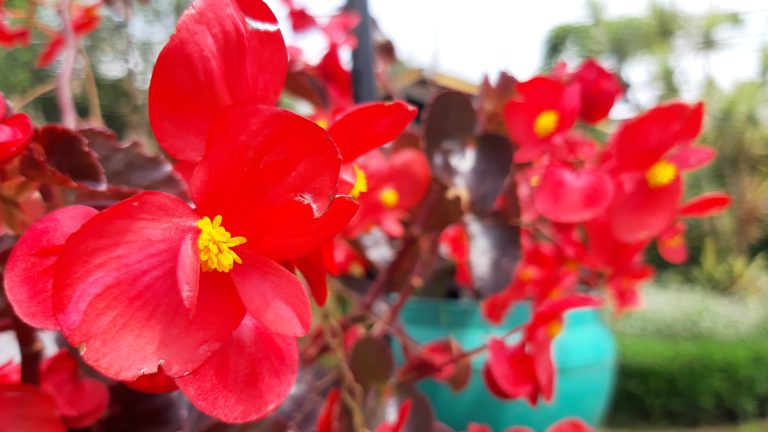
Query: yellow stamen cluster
x=361, y=182
x=215, y=245
x=389, y=197
x=546, y=123
x=661, y=174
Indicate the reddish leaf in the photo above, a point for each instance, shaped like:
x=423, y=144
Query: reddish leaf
x=449, y=125
x=61, y=156
x=371, y=362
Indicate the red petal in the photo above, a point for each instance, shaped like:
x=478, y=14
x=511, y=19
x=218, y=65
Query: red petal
x=599, y=90
x=671, y=244
x=15, y=133
x=642, y=141
x=81, y=401
x=27, y=408
x=188, y=271
x=247, y=378
x=693, y=157
x=570, y=425
x=409, y=173
x=269, y=173
x=545, y=369
x=642, y=213
x=116, y=291
x=30, y=268
x=512, y=369
x=707, y=204
x=224, y=52
x=572, y=196
x=476, y=427
x=157, y=383
x=365, y=127
x=329, y=413
x=554, y=309
x=496, y=306
x=273, y=296
x=312, y=268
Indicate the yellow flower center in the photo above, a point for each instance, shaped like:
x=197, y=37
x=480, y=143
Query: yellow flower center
x=554, y=328
x=389, y=197
x=535, y=181
x=674, y=241
x=215, y=245
x=546, y=123
x=323, y=123
x=661, y=174
x=361, y=182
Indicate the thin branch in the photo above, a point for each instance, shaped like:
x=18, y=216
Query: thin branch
x=91, y=90
x=31, y=351
x=64, y=90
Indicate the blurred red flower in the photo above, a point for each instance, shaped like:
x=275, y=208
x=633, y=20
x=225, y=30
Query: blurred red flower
x=85, y=19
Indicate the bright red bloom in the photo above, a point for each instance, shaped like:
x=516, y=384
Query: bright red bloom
x=301, y=20
x=567, y=425
x=542, y=110
x=79, y=401
x=358, y=131
x=476, y=427
x=199, y=291
x=396, y=183
x=85, y=20
x=399, y=423
x=649, y=154
x=16, y=131
x=437, y=360
x=599, y=91
x=525, y=369
x=11, y=37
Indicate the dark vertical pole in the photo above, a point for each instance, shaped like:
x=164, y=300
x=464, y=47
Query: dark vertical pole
x=362, y=57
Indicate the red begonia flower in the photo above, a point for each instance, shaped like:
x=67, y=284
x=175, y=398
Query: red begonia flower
x=300, y=19
x=438, y=360
x=16, y=132
x=268, y=177
x=568, y=195
x=649, y=153
x=224, y=52
x=395, y=185
x=356, y=131
x=599, y=91
x=80, y=401
x=9, y=36
x=541, y=111
x=525, y=370
x=337, y=79
x=27, y=408
x=454, y=242
x=399, y=423
x=85, y=20
x=476, y=427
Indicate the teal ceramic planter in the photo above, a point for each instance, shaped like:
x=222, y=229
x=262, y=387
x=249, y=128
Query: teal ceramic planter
x=585, y=357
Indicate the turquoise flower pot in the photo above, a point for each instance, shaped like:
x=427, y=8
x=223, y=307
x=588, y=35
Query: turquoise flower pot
x=585, y=359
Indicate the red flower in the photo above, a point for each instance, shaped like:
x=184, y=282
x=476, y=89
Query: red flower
x=16, y=131
x=27, y=408
x=648, y=155
x=438, y=360
x=567, y=195
x=542, y=110
x=399, y=423
x=568, y=425
x=599, y=91
x=328, y=419
x=396, y=183
x=85, y=20
x=525, y=370
x=168, y=285
x=11, y=37
x=301, y=20
x=80, y=402
x=357, y=131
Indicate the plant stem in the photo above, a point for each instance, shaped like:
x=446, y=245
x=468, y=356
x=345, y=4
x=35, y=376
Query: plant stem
x=64, y=90
x=31, y=351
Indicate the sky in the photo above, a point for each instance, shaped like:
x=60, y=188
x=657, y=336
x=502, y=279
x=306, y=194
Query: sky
x=471, y=39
